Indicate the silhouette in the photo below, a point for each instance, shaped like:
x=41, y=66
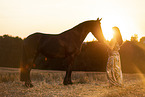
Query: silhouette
x=117, y=37
x=65, y=45
x=113, y=68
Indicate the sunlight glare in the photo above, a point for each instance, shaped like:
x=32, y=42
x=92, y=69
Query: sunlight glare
x=107, y=31
x=141, y=75
x=122, y=23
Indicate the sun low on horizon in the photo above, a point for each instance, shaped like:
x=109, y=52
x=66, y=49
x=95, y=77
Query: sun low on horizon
x=108, y=22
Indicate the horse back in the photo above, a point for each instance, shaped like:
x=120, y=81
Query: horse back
x=33, y=40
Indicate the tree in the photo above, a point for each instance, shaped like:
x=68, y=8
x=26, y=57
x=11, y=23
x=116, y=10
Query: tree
x=142, y=40
x=10, y=51
x=134, y=38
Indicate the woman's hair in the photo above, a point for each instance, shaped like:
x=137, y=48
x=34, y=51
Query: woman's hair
x=117, y=35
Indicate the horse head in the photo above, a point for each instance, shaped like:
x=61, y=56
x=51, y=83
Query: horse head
x=97, y=30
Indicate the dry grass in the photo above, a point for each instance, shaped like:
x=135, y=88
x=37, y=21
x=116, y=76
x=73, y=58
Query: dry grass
x=49, y=84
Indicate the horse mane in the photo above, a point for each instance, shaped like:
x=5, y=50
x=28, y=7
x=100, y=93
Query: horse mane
x=88, y=23
x=85, y=23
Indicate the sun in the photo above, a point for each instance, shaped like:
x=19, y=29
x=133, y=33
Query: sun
x=107, y=32
x=125, y=25
x=107, y=25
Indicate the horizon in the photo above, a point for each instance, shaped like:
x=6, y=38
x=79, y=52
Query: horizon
x=22, y=18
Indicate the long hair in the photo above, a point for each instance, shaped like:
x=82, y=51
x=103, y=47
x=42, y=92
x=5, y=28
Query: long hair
x=117, y=35
x=117, y=38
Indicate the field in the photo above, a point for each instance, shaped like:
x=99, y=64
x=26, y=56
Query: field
x=86, y=84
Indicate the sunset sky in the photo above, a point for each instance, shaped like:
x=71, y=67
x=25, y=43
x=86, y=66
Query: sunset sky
x=23, y=17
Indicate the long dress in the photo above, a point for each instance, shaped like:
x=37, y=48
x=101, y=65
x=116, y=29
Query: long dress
x=113, y=68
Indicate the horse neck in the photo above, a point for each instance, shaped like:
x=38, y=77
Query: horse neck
x=77, y=34
x=83, y=34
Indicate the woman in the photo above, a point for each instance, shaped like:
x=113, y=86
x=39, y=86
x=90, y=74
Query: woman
x=114, y=73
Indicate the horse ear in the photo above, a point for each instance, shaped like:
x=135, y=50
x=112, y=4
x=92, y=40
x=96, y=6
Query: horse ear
x=100, y=19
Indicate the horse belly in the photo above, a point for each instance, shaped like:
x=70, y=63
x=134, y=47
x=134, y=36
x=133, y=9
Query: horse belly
x=54, y=53
x=53, y=50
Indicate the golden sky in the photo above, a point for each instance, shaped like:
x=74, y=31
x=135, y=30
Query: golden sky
x=23, y=17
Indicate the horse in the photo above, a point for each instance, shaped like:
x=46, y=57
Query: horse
x=65, y=45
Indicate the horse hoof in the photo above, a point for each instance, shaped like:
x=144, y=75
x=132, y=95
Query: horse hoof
x=70, y=83
x=29, y=85
x=67, y=83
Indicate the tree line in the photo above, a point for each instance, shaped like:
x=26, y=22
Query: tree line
x=93, y=56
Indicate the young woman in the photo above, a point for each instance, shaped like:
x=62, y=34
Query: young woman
x=114, y=72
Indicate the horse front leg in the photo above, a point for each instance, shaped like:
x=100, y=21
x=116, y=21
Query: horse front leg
x=67, y=79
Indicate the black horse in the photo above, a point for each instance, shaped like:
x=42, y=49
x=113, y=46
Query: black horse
x=64, y=45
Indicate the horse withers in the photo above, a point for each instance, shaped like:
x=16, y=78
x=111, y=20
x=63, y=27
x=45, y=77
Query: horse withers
x=64, y=45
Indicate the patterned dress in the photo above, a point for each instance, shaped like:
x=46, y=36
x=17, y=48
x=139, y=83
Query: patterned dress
x=114, y=73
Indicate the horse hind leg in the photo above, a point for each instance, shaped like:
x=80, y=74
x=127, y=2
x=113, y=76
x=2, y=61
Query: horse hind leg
x=25, y=73
x=26, y=66
x=23, y=67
